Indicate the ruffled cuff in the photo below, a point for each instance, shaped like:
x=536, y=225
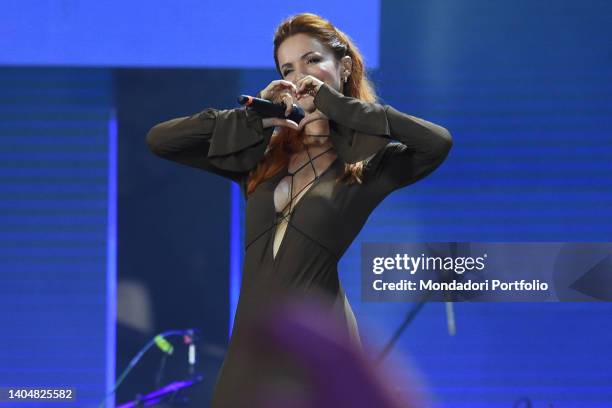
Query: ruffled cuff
x=360, y=128
x=238, y=140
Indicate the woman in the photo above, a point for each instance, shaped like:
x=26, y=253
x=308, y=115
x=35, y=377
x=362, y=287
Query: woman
x=309, y=187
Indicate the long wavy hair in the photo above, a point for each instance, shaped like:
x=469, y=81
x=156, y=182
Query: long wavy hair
x=288, y=141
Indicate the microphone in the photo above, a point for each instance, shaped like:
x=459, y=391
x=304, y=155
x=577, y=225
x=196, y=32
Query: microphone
x=268, y=109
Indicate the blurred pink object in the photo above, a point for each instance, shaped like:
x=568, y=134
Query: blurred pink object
x=334, y=366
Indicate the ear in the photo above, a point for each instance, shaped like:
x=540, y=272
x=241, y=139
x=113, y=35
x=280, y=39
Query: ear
x=346, y=63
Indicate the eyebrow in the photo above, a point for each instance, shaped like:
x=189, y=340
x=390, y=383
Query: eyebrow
x=302, y=57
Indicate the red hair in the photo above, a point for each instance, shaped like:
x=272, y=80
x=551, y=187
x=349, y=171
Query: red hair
x=288, y=141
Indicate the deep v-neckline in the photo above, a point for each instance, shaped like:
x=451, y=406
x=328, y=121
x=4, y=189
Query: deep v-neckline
x=314, y=184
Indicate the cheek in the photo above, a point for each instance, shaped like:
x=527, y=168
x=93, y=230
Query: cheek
x=324, y=73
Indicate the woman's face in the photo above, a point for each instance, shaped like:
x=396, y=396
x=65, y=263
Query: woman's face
x=301, y=55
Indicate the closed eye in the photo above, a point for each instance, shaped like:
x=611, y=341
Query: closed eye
x=311, y=60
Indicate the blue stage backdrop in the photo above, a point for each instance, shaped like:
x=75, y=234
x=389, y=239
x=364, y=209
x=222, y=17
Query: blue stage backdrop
x=57, y=230
x=525, y=89
x=188, y=33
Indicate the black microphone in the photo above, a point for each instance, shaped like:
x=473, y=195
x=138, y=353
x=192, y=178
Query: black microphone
x=268, y=109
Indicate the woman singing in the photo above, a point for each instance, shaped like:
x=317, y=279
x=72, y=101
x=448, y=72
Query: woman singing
x=309, y=187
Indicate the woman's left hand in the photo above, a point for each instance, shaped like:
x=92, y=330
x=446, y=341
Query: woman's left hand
x=308, y=85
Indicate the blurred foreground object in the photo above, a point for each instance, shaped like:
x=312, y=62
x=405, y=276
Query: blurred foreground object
x=337, y=372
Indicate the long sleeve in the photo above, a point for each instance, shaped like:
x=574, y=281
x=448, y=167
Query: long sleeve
x=422, y=146
x=225, y=142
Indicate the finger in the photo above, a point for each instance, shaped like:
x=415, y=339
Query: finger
x=287, y=84
x=288, y=100
x=307, y=90
x=276, y=87
x=302, y=85
x=285, y=123
x=281, y=83
x=317, y=115
x=298, y=83
x=280, y=96
x=305, y=85
x=303, y=123
x=292, y=124
x=289, y=123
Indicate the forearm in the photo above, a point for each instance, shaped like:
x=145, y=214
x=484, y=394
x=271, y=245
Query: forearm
x=424, y=138
x=418, y=135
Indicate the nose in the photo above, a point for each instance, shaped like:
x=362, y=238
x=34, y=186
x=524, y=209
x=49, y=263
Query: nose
x=298, y=76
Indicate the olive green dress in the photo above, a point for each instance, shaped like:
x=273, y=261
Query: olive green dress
x=397, y=150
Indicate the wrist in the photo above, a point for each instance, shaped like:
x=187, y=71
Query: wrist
x=317, y=90
x=325, y=98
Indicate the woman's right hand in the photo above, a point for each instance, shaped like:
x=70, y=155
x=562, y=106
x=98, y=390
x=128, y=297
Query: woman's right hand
x=280, y=91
